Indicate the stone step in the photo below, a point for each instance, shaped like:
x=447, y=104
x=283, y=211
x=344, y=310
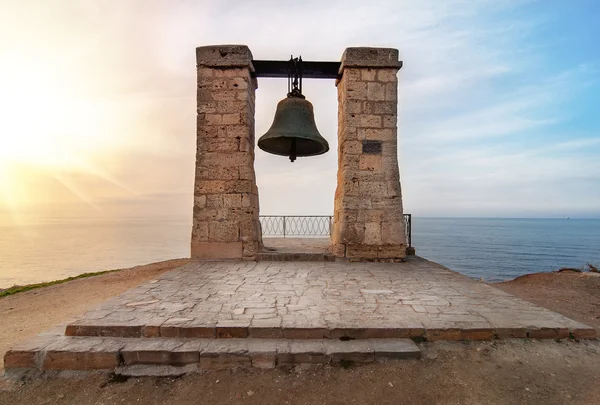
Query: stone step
x=177, y=355
x=272, y=329
x=294, y=257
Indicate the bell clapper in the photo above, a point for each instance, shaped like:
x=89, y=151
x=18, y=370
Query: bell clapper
x=293, y=150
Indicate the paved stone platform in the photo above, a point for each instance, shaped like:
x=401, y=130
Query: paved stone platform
x=296, y=249
x=297, y=245
x=311, y=300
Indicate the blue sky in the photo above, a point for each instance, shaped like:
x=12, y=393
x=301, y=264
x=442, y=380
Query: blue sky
x=498, y=100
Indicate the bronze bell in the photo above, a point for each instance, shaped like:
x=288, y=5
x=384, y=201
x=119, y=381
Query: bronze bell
x=294, y=132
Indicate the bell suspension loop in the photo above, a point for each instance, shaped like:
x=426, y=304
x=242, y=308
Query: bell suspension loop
x=295, y=77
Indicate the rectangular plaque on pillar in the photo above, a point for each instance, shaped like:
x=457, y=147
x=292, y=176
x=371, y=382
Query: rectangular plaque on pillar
x=371, y=147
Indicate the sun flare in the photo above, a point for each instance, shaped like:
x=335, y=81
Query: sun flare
x=45, y=125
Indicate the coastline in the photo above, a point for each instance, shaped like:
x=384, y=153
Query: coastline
x=28, y=310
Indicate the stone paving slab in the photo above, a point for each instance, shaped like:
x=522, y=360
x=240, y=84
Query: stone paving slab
x=296, y=250
x=96, y=353
x=315, y=300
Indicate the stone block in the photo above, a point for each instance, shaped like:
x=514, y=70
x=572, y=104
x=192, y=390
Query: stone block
x=232, y=200
x=392, y=232
x=371, y=333
x=352, y=232
x=20, y=359
x=361, y=252
x=391, y=92
x=263, y=352
x=224, y=56
x=387, y=75
x=352, y=107
x=225, y=362
x=213, y=119
x=369, y=57
x=305, y=333
x=352, y=75
x=83, y=354
x=228, y=332
x=373, y=189
x=85, y=328
x=386, y=349
x=29, y=353
x=232, y=72
x=304, y=352
x=359, y=351
x=200, y=201
x=225, y=353
x=391, y=252
x=548, y=333
x=477, y=334
x=204, y=332
x=216, y=250
x=217, y=173
x=377, y=134
x=369, y=121
x=221, y=145
x=368, y=75
x=370, y=162
x=376, y=91
x=231, y=119
x=355, y=90
x=511, y=333
x=207, y=107
x=173, y=352
x=584, y=333
x=389, y=120
x=370, y=215
x=223, y=231
x=352, y=147
x=372, y=233
x=443, y=334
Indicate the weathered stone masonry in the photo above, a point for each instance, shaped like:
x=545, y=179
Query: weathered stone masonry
x=225, y=222
x=368, y=222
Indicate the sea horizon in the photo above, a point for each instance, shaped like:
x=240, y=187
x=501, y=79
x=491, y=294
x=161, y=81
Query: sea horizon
x=489, y=248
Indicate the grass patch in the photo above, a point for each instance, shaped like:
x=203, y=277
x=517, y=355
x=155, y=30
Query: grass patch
x=22, y=288
x=419, y=339
x=592, y=268
x=346, y=364
x=114, y=378
x=569, y=269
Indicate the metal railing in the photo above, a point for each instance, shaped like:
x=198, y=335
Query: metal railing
x=310, y=225
x=296, y=225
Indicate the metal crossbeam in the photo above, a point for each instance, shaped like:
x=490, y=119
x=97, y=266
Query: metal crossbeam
x=310, y=70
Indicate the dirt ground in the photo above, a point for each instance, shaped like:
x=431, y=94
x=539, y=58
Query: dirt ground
x=26, y=314
x=575, y=295
x=498, y=372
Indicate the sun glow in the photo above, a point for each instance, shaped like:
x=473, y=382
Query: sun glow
x=45, y=127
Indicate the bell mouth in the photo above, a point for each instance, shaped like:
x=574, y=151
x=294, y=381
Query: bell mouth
x=282, y=145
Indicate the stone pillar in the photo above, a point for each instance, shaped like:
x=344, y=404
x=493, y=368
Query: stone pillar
x=225, y=223
x=368, y=222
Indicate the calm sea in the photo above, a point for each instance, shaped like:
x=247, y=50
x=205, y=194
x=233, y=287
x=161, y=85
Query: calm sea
x=492, y=249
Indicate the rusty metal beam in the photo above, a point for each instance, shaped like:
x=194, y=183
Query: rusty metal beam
x=310, y=70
